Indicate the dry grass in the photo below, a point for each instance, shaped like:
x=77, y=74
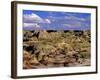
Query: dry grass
x=56, y=49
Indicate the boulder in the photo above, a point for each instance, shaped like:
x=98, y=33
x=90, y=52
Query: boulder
x=43, y=34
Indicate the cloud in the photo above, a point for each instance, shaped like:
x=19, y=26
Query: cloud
x=34, y=25
x=73, y=24
x=53, y=21
x=47, y=21
x=33, y=21
x=32, y=18
x=67, y=25
x=75, y=18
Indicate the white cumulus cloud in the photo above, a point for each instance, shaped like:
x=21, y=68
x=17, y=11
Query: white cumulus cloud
x=34, y=18
x=30, y=18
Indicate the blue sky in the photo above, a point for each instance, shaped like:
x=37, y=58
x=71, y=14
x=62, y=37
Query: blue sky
x=51, y=20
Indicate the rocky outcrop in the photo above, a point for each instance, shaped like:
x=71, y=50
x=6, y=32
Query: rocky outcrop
x=44, y=49
x=43, y=34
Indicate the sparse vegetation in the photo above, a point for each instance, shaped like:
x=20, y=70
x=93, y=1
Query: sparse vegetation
x=44, y=49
